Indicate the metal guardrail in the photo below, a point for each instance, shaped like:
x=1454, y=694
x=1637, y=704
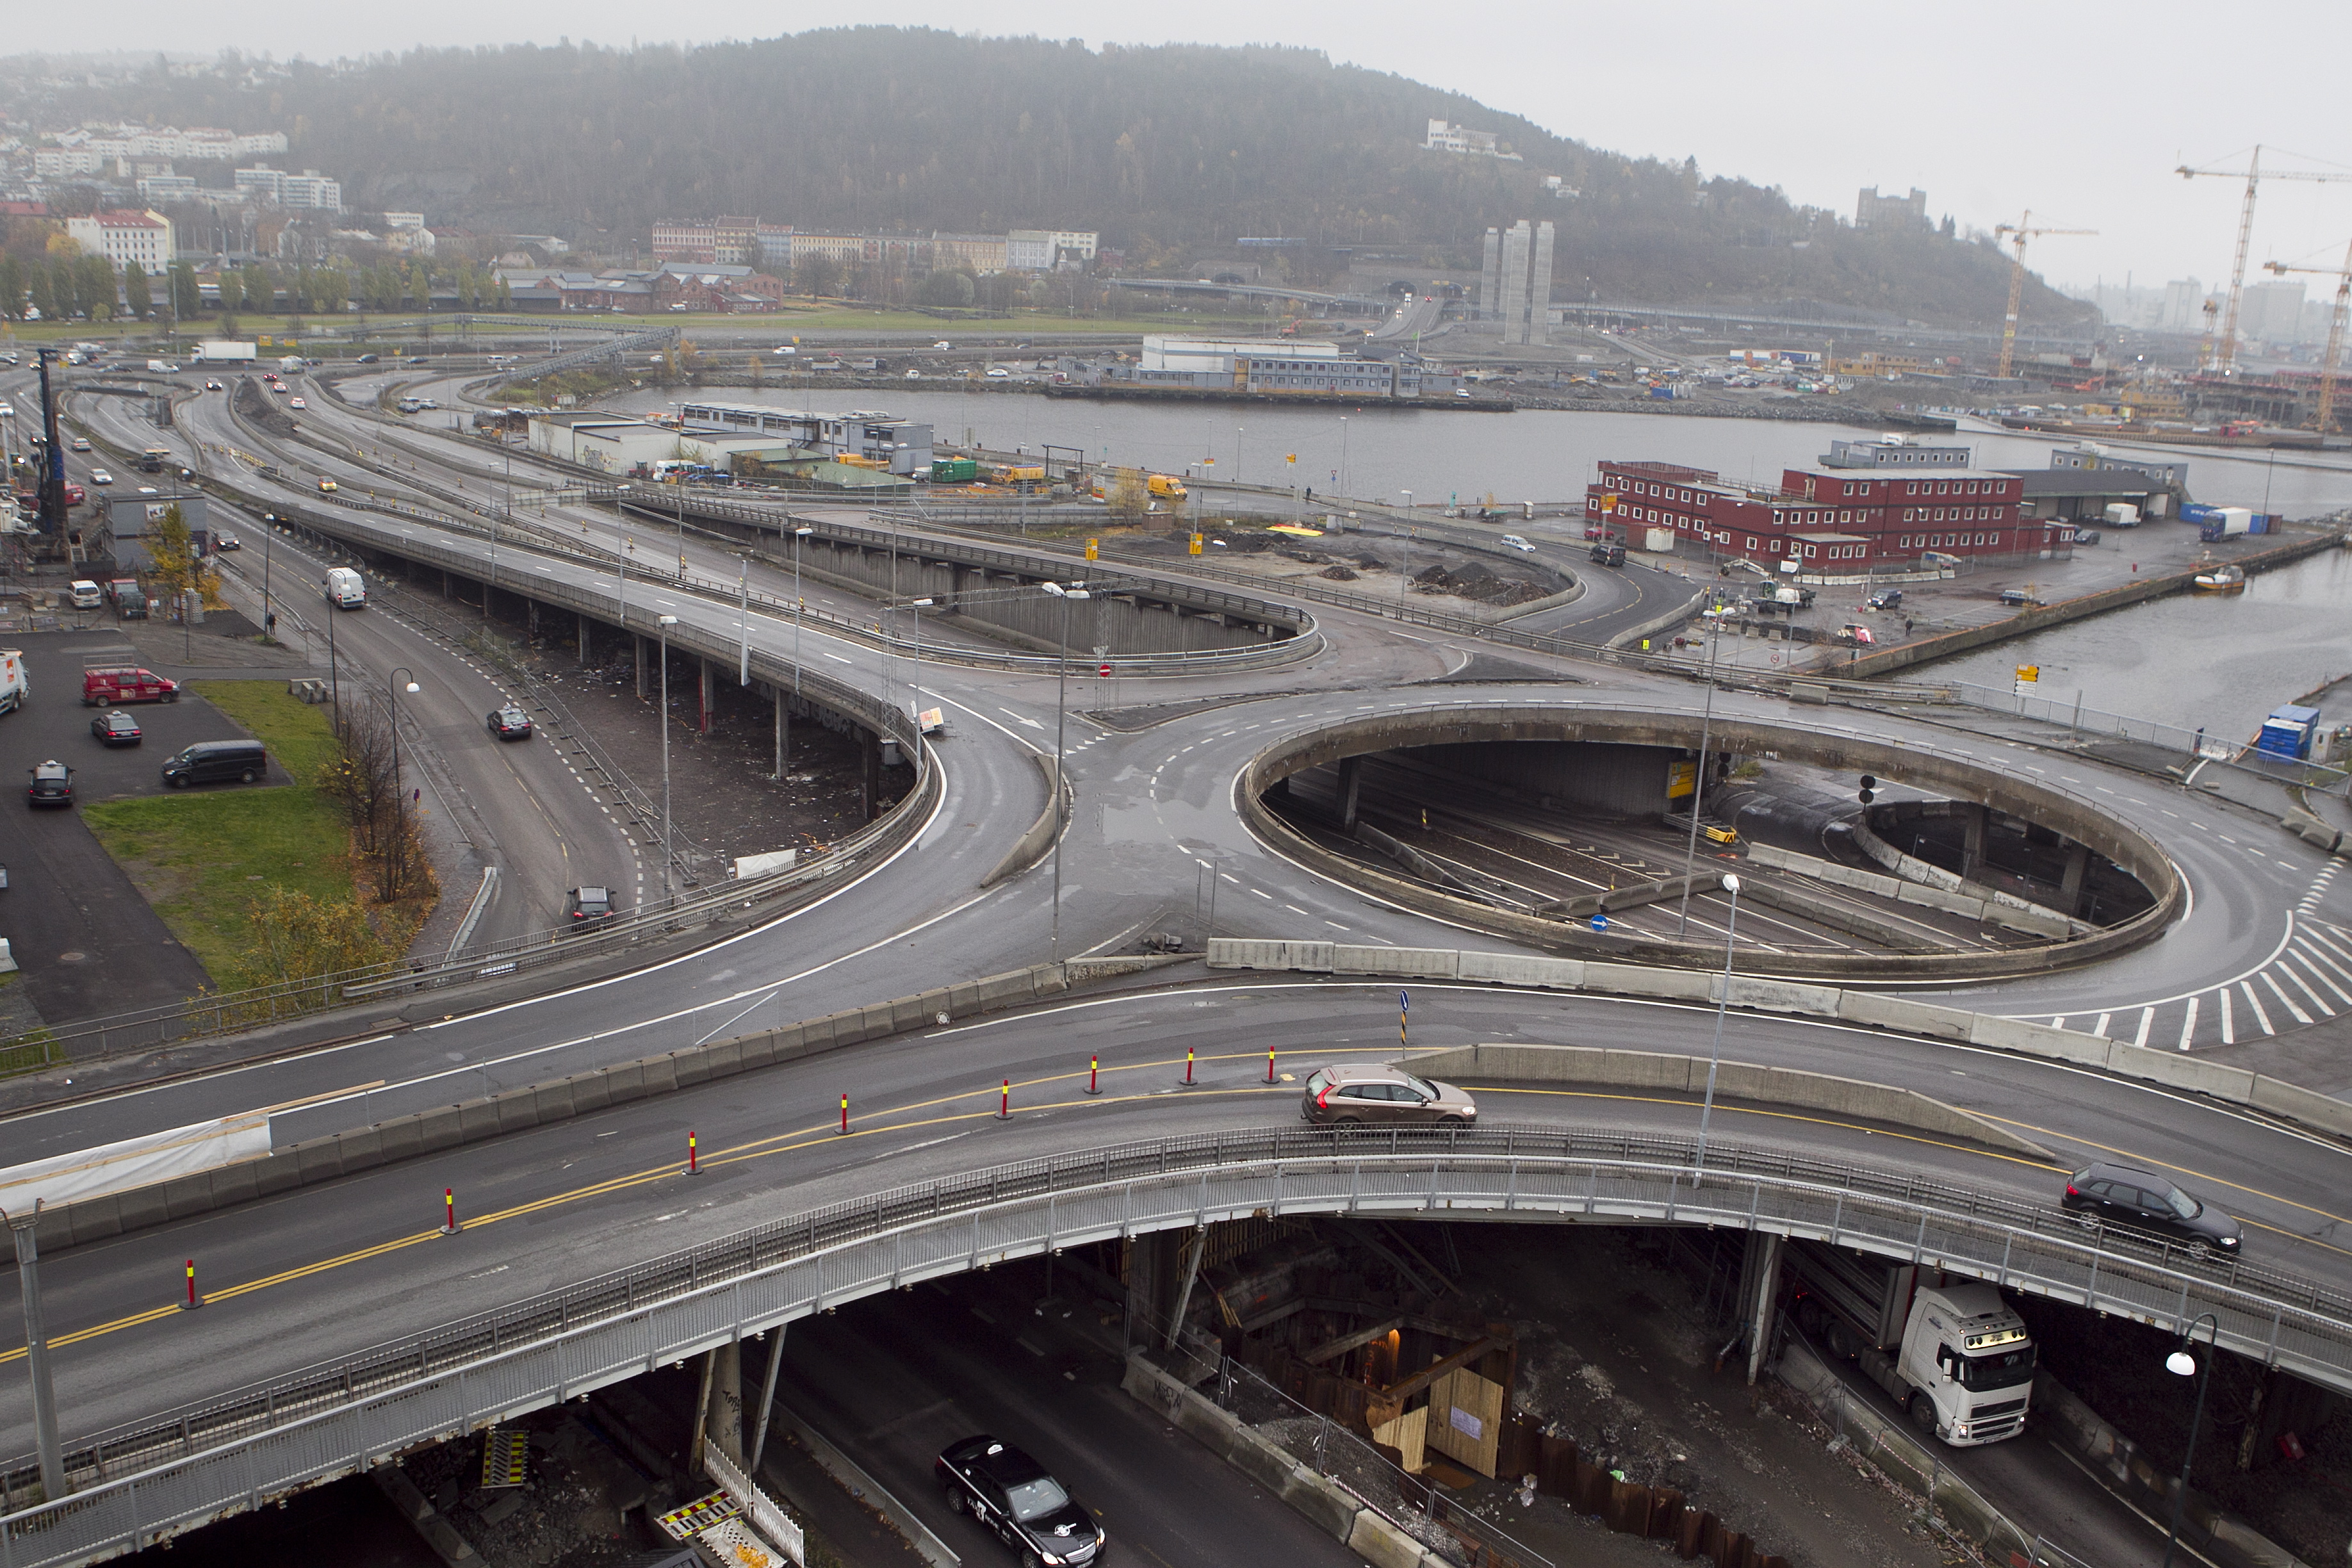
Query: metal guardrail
x=151, y=1477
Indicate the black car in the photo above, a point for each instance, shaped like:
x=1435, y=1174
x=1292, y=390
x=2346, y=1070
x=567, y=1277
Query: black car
x=1608, y=555
x=115, y=728
x=1884, y=599
x=225, y=542
x=585, y=907
x=510, y=723
x=2142, y=1200
x=1013, y=1496
x=365, y=359
x=52, y=784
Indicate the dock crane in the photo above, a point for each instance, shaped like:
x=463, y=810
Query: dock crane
x=2343, y=276
x=2225, y=350
x=2024, y=230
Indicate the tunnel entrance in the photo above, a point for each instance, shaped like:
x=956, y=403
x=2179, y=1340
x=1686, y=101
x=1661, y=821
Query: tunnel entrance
x=1577, y=833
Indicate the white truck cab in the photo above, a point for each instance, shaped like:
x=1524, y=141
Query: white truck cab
x=1954, y=1355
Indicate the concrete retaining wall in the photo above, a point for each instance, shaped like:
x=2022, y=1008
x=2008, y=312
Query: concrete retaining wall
x=581, y=1094
x=2030, y=918
x=1869, y=1009
x=1332, y=1510
x=1034, y=843
x=1733, y=1080
x=2078, y=819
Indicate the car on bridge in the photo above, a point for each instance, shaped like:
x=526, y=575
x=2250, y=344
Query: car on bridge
x=510, y=723
x=1353, y=1094
x=1017, y=1500
x=585, y=908
x=2142, y=1200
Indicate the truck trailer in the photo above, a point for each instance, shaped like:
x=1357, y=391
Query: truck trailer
x=1954, y=1355
x=213, y=352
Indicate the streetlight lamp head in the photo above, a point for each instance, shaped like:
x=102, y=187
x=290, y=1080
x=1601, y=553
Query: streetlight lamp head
x=1731, y=884
x=1053, y=588
x=412, y=688
x=665, y=620
x=921, y=604
x=803, y=532
x=2180, y=1364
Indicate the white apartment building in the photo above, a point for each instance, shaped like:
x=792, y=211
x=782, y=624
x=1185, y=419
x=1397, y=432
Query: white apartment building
x=123, y=236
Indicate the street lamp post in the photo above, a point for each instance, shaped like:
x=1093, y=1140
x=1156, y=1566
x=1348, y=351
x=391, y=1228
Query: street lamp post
x=1715, y=1051
x=665, y=622
x=798, y=534
x=1061, y=721
x=1237, y=454
x=915, y=647
x=37, y=1351
x=744, y=620
x=268, y=615
x=1698, y=779
x=392, y=688
x=2182, y=1363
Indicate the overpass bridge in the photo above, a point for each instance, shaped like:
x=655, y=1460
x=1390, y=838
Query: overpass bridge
x=324, y=1279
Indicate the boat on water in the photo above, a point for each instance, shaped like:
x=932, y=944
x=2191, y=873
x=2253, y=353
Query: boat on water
x=2219, y=579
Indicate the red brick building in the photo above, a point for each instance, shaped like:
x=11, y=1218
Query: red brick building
x=1834, y=520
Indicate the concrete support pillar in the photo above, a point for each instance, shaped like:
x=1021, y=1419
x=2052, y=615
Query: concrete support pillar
x=638, y=646
x=783, y=734
x=1352, y=778
x=2078, y=867
x=719, y=1423
x=704, y=692
x=1762, y=1273
x=445, y=582
x=869, y=747
x=1972, y=844
x=586, y=638
x=530, y=617
x=1153, y=1265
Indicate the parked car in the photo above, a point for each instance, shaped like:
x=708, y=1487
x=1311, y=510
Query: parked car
x=1018, y=1501
x=115, y=728
x=110, y=685
x=584, y=907
x=52, y=784
x=1347, y=1094
x=510, y=723
x=217, y=761
x=2142, y=1200
x=1884, y=599
x=85, y=594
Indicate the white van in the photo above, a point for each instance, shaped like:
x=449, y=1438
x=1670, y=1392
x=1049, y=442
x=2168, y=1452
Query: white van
x=87, y=595
x=346, y=589
x=1516, y=543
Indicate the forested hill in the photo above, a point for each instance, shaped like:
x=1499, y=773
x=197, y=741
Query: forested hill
x=1167, y=151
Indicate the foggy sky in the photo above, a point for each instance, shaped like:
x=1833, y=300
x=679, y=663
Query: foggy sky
x=2076, y=110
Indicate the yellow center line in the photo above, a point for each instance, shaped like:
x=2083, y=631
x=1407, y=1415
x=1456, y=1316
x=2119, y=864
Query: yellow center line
x=1782, y=1116
x=2191, y=1172
x=811, y=1137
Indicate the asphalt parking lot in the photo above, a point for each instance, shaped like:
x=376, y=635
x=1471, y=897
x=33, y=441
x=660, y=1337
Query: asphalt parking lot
x=84, y=937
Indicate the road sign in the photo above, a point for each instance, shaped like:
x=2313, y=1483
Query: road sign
x=2028, y=673
x=1404, y=1001
x=1196, y=545
x=1103, y=670
x=1092, y=548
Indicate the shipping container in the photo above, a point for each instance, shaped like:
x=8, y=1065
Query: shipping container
x=954, y=470
x=2288, y=733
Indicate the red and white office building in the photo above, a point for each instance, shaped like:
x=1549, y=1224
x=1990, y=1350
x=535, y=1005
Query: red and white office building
x=1834, y=521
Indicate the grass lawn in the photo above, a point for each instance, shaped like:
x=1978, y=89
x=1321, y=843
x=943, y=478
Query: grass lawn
x=200, y=854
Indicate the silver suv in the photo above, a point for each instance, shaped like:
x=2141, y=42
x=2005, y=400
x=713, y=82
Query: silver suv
x=1351, y=1094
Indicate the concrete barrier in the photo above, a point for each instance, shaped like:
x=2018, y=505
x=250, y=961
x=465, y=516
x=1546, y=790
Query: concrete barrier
x=1606, y=1066
x=358, y=1149
x=2031, y=919
x=1867, y=1009
x=1396, y=963
x=1039, y=836
x=1331, y=1508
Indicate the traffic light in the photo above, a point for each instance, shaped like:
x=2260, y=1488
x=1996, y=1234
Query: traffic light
x=1869, y=789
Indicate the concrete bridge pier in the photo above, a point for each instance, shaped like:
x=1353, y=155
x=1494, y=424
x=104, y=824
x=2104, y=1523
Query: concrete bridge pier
x=705, y=694
x=1759, y=1290
x=2070, y=887
x=783, y=732
x=1352, y=779
x=585, y=636
x=1155, y=1265
x=720, y=1410
x=1972, y=828
x=637, y=645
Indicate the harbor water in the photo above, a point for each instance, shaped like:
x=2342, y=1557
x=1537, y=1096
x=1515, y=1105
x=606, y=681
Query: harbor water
x=2216, y=661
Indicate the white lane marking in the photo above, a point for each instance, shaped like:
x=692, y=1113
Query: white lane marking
x=2147, y=1019
x=2229, y=1024
x=836, y=657
x=2188, y=1023
x=2256, y=1003
x=2284, y=1000
x=2101, y=1026
x=2317, y=1001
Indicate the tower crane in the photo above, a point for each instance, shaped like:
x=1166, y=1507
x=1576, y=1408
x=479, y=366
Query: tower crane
x=2024, y=230
x=2343, y=276
x=2225, y=352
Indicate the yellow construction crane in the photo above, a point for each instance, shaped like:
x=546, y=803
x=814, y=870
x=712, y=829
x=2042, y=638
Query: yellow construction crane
x=2225, y=350
x=2343, y=276
x=2024, y=230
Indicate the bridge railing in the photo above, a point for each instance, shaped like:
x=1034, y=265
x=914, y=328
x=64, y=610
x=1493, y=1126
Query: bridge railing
x=152, y=1477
